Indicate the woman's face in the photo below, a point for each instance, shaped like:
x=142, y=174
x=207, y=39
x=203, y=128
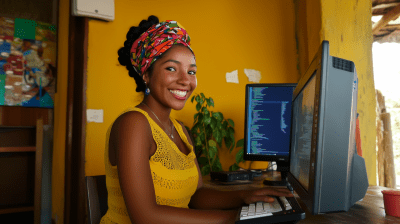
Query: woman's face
x=174, y=78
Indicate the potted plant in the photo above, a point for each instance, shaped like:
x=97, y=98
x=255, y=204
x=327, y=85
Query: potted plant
x=210, y=129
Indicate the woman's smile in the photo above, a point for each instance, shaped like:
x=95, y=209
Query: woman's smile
x=179, y=94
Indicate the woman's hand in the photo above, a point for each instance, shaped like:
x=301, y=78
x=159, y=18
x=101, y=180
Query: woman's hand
x=263, y=194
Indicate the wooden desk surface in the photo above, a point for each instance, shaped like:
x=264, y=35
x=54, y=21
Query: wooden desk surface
x=369, y=210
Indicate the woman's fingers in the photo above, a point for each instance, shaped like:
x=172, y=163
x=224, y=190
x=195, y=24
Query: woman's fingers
x=275, y=192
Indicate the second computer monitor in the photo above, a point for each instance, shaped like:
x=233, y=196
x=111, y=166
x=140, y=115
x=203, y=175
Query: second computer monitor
x=268, y=122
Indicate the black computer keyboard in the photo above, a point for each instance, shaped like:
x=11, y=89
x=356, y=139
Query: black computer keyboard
x=283, y=209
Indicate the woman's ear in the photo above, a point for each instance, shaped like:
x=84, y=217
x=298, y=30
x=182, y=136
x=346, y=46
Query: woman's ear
x=146, y=77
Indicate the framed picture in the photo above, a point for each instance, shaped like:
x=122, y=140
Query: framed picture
x=27, y=63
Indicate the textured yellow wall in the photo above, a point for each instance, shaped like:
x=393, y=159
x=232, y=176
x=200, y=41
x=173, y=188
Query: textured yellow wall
x=60, y=112
x=226, y=36
x=346, y=24
x=308, y=28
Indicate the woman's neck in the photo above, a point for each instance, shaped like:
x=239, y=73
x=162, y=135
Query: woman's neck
x=160, y=111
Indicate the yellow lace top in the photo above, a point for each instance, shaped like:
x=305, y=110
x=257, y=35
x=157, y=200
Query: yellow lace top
x=175, y=175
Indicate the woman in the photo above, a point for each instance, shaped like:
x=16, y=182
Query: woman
x=152, y=172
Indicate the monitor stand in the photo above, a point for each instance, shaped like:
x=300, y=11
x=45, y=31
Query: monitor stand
x=282, y=182
x=283, y=168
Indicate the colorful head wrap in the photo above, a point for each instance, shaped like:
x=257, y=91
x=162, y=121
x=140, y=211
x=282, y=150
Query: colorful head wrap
x=154, y=42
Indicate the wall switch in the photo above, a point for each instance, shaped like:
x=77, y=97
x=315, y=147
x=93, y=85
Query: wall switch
x=94, y=115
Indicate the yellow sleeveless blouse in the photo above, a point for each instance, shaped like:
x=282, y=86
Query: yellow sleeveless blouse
x=175, y=175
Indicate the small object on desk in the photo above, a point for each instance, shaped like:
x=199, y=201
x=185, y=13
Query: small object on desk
x=231, y=176
x=391, y=199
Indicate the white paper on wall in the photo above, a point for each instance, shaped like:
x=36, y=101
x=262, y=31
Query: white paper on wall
x=253, y=75
x=232, y=77
x=95, y=115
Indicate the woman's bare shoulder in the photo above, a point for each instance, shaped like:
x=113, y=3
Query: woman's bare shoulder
x=131, y=120
x=128, y=127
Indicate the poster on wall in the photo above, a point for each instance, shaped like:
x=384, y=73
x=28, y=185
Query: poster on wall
x=27, y=63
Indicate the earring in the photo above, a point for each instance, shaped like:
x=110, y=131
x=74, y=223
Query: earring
x=147, y=90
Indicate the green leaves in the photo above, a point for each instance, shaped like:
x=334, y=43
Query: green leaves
x=205, y=170
x=212, y=143
x=205, y=110
x=239, y=156
x=210, y=102
x=234, y=167
x=198, y=106
x=203, y=161
x=212, y=151
x=217, y=135
x=207, y=120
x=218, y=116
x=231, y=123
x=217, y=165
x=208, y=131
x=240, y=143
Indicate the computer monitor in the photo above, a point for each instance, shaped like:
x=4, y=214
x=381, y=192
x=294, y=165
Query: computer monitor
x=268, y=124
x=325, y=170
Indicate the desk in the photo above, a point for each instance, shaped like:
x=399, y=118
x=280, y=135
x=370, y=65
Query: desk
x=369, y=210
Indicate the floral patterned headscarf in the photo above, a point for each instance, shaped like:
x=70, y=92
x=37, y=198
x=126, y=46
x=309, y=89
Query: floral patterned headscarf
x=154, y=42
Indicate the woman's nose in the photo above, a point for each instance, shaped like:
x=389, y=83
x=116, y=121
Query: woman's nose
x=184, y=78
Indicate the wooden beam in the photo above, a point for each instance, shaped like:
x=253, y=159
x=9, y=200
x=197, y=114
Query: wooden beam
x=391, y=27
x=390, y=174
x=384, y=6
x=391, y=15
x=75, y=194
x=38, y=172
x=16, y=209
x=380, y=2
x=18, y=149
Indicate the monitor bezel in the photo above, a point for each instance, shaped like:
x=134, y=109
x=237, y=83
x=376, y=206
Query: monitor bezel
x=318, y=67
x=252, y=157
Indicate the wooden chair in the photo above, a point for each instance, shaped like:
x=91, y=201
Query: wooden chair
x=97, y=198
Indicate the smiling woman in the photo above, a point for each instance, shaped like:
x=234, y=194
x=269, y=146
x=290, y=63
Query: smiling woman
x=151, y=167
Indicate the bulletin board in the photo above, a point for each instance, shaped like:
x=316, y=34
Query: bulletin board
x=27, y=63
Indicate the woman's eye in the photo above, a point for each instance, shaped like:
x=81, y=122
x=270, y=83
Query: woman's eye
x=192, y=72
x=171, y=69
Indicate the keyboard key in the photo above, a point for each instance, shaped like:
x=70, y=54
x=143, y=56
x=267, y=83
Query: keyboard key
x=267, y=207
x=285, y=203
x=259, y=208
x=276, y=207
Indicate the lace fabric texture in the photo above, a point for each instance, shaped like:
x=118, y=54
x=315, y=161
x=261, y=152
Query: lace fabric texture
x=175, y=176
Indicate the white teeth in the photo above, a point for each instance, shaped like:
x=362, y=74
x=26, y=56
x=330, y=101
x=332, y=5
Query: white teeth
x=179, y=93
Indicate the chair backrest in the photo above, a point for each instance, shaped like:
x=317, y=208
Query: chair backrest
x=97, y=198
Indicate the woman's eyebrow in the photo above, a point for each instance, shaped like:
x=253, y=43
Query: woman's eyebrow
x=178, y=62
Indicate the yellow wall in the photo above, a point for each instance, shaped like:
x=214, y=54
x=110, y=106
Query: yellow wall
x=226, y=36
x=60, y=111
x=346, y=24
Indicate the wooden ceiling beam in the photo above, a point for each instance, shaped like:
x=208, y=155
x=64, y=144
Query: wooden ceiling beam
x=391, y=15
x=391, y=27
x=384, y=6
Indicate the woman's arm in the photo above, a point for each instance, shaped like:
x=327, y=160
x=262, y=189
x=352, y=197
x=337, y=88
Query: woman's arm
x=132, y=137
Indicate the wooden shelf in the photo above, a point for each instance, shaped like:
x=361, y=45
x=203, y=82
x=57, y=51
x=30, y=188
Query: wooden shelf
x=15, y=209
x=18, y=149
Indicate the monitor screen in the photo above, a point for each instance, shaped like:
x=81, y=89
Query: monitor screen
x=303, y=107
x=268, y=121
